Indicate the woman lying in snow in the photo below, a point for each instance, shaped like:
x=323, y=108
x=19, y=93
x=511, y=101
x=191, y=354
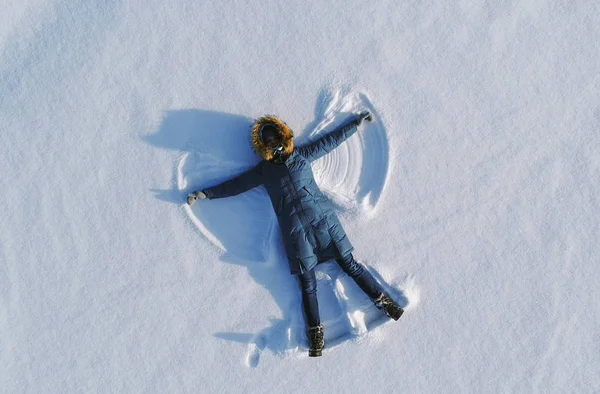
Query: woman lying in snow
x=311, y=230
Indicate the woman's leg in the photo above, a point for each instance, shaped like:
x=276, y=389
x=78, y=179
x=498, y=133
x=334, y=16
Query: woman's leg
x=369, y=285
x=316, y=342
x=361, y=276
x=308, y=282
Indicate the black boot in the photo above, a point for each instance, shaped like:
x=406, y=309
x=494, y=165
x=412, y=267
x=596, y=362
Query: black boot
x=388, y=306
x=316, y=342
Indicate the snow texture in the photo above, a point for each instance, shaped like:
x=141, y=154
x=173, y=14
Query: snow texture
x=473, y=197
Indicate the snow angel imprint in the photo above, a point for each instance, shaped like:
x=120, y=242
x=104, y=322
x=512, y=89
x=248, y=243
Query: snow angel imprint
x=310, y=228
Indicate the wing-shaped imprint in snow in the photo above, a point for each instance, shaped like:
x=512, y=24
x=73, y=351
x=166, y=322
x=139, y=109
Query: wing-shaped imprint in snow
x=355, y=174
x=242, y=225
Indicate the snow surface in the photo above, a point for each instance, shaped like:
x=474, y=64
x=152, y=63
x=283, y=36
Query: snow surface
x=474, y=197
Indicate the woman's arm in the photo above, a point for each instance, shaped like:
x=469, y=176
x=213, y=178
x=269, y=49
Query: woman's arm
x=329, y=142
x=240, y=184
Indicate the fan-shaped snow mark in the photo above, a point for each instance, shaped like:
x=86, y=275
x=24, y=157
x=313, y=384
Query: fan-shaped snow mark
x=333, y=311
x=360, y=310
x=330, y=310
x=347, y=314
x=362, y=313
x=375, y=147
x=182, y=184
x=295, y=331
x=356, y=173
x=355, y=318
x=243, y=225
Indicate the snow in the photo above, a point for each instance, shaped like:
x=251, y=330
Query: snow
x=474, y=196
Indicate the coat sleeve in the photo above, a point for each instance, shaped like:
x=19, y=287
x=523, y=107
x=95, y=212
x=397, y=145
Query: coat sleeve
x=329, y=142
x=240, y=184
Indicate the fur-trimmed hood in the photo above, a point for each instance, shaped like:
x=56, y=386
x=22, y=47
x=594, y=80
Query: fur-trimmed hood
x=286, y=133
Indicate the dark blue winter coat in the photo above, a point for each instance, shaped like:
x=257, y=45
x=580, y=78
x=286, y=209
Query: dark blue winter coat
x=311, y=230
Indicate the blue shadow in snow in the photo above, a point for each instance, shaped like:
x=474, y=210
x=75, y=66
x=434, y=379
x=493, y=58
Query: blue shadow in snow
x=215, y=147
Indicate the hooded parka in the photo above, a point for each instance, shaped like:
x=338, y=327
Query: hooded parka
x=310, y=228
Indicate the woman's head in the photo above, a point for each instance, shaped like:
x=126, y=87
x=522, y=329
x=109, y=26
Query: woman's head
x=272, y=138
x=270, y=135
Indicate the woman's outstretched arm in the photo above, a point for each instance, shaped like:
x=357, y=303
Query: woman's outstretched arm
x=240, y=184
x=332, y=140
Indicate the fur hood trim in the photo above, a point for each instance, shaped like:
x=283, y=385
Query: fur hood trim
x=286, y=133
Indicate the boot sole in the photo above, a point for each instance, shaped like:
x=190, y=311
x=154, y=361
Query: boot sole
x=399, y=315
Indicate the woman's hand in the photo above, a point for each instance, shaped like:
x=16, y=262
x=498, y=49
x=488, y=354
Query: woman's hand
x=192, y=197
x=365, y=115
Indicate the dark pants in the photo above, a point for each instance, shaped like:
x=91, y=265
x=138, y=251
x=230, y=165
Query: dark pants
x=308, y=282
